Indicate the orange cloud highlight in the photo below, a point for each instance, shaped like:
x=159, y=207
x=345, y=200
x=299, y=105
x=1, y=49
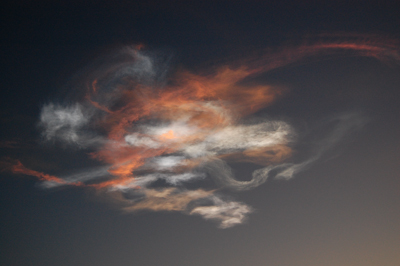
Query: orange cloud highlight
x=16, y=167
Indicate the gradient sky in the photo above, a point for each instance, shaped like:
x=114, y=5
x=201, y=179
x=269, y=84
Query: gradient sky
x=332, y=71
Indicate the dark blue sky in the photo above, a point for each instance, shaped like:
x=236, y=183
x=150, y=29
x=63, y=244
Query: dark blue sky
x=342, y=210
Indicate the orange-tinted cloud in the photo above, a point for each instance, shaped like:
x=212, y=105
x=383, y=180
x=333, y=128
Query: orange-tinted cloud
x=16, y=167
x=144, y=126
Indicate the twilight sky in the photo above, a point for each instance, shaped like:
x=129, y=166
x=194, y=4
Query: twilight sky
x=209, y=133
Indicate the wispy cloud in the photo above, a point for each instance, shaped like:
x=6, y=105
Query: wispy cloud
x=154, y=132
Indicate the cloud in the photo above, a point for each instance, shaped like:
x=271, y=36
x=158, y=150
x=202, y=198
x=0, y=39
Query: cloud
x=155, y=134
x=227, y=213
x=67, y=124
x=16, y=167
x=167, y=199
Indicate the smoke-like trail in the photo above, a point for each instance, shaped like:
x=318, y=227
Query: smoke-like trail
x=153, y=133
x=16, y=167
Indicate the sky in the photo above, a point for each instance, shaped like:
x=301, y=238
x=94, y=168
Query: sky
x=200, y=133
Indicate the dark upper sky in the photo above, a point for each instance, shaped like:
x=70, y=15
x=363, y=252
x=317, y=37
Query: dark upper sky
x=344, y=209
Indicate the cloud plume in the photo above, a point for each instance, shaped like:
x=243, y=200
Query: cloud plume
x=154, y=133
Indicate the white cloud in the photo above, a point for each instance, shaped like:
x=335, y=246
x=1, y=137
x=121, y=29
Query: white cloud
x=136, y=139
x=227, y=213
x=167, y=162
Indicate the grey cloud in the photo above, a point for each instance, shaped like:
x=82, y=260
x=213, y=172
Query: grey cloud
x=62, y=122
x=142, y=67
x=81, y=176
x=67, y=125
x=87, y=175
